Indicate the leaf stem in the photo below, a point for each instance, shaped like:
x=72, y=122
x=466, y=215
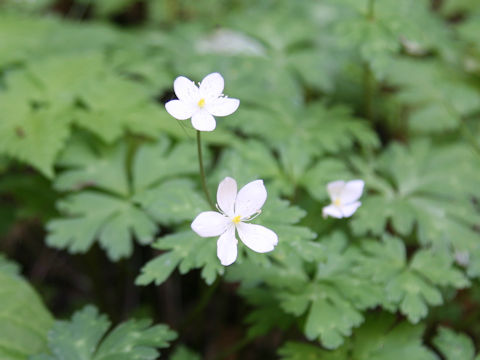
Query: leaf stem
x=201, y=304
x=371, y=9
x=368, y=83
x=470, y=137
x=202, y=171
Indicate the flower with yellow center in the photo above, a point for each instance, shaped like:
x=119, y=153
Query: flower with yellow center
x=344, y=197
x=235, y=209
x=201, y=103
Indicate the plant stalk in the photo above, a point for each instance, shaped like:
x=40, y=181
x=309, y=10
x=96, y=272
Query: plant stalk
x=371, y=9
x=202, y=171
x=368, y=91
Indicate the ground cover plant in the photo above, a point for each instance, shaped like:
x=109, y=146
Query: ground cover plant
x=326, y=207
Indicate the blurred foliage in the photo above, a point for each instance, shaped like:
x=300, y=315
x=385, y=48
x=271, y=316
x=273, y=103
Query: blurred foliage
x=385, y=91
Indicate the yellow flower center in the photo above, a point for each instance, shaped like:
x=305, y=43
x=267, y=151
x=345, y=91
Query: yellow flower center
x=201, y=103
x=337, y=202
x=236, y=219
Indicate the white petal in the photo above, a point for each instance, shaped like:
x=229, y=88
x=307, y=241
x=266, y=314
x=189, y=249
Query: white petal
x=211, y=86
x=186, y=90
x=226, y=194
x=210, y=223
x=333, y=211
x=257, y=237
x=352, y=191
x=179, y=110
x=250, y=198
x=227, y=247
x=203, y=121
x=222, y=106
x=348, y=210
x=335, y=188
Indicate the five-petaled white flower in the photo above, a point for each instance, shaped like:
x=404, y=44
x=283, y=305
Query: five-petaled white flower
x=234, y=210
x=344, y=198
x=201, y=103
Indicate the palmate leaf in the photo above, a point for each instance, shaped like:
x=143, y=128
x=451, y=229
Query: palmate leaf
x=414, y=189
x=318, y=129
x=335, y=299
x=183, y=353
x=379, y=338
x=189, y=251
x=25, y=38
x=438, y=96
x=111, y=208
x=85, y=337
x=50, y=93
x=249, y=160
x=274, y=87
x=377, y=30
x=267, y=313
x=94, y=215
x=24, y=320
x=31, y=135
x=454, y=345
x=109, y=108
x=411, y=287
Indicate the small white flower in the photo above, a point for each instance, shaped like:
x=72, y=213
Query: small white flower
x=234, y=210
x=344, y=198
x=201, y=103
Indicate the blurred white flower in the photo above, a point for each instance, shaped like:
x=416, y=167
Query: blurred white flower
x=230, y=42
x=201, y=103
x=462, y=257
x=344, y=196
x=234, y=211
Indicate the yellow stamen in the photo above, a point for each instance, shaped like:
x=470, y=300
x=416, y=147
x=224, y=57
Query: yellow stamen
x=337, y=202
x=201, y=103
x=236, y=219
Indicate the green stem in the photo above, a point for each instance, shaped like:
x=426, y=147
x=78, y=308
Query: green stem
x=201, y=304
x=371, y=9
x=234, y=348
x=368, y=90
x=173, y=11
x=470, y=137
x=202, y=171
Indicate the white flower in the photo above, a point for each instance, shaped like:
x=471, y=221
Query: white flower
x=201, y=103
x=234, y=210
x=344, y=198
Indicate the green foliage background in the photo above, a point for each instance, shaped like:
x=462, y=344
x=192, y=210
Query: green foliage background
x=99, y=184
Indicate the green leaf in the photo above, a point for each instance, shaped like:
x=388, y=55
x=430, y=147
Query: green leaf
x=187, y=251
x=414, y=188
x=318, y=129
x=412, y=287
x=379, y=338
x=454, y=345
x=325, y=170
x=8, y=267
x=302, y=351
x=93, y=215
x=34, y=136
x=109, y=108
x=85, y=337
x=116, y=210
x=334, y=301
x=439, y=97
x=170, y=161
x=87, y=166
x=183, y=353
x=24, y=320
x=267, y=314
